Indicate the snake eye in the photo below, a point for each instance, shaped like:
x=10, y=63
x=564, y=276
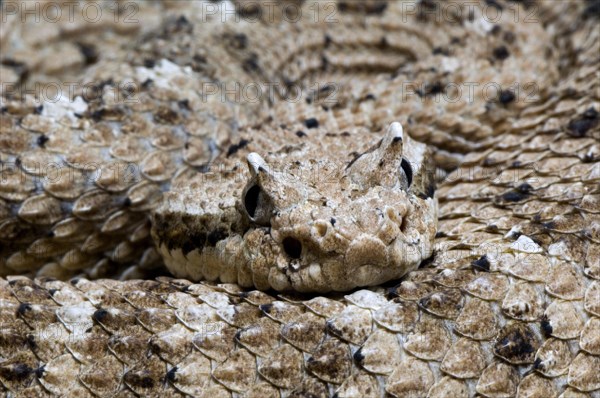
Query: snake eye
x=405, y=165
x=251, y=200
x=292, y=247
x=258, y=204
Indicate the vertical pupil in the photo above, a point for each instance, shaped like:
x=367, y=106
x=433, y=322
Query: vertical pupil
x=251, y=200
x=407, y=171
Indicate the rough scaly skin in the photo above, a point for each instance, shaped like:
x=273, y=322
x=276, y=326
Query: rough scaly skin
x=509, y=304
x=295, y=222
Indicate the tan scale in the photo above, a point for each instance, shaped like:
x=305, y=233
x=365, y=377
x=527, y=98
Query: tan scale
x=507, y=305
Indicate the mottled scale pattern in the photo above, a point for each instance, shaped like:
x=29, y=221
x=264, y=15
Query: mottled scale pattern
x=509, y=305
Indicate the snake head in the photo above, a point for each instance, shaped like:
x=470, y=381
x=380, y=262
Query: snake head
x=324, y=226
x=312, y=215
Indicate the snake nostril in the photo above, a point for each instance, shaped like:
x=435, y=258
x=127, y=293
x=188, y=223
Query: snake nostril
x=251, y=200
x=292, y=247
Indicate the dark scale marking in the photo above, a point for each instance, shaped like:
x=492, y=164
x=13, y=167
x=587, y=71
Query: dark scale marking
x=546, y=326
x=509, y=37
x=492, y=228
x=238, y=335
x=149, y=63
x=378, y=8
x=506, y=97
x=42, y=139
x=196, y=240
x=330, y=327
x=23, y=309
x=521, y=192
x=526, y=3
x=166, y=115
x=482, y=263
x=580, y=126
x=216, y=236
x=430, y=189
x=251, y=11
x=266, y=308
x=592, y=10
x=300, y=133
x=31, y=342
x=89, y=52
x=359, y=357
x=100, y=315
x=240, y=41
x=501, y=53
x=172, y=374
x=233, y=148
x=250, y=64
x=440, y=51
x=525, y=188
x=495, y=4
x=16, y=372
x=184, y=104
x=513, y=196
x=140, y=381
x=517, y=343
x=147, y=83
x=39, y=372
x=332, y=221
x=311, y=123
x=431, y=90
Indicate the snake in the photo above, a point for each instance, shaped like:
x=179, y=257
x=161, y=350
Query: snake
x=300, y=199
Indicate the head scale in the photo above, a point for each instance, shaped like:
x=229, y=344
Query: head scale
x=302, y=221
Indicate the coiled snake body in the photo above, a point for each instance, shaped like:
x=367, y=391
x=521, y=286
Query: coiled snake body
x=254, y=152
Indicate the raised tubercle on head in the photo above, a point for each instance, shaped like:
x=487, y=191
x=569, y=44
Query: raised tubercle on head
x=384, y=164
x=268, y=190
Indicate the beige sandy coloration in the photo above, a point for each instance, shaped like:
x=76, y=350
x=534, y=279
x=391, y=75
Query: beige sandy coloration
x=508, y=305
x=306, y=224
